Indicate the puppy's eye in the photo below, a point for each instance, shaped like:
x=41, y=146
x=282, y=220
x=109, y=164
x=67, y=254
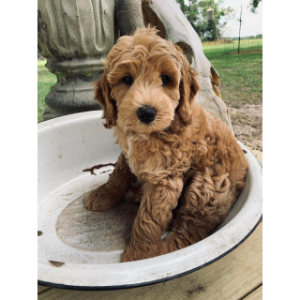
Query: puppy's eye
x=165, y=79
x=128, y=80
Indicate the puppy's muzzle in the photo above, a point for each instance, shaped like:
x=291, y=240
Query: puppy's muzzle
x=146, y=114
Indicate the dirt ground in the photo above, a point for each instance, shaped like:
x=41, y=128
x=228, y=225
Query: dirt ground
x=247, y=125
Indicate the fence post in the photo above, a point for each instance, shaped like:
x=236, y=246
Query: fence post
x=240, y=31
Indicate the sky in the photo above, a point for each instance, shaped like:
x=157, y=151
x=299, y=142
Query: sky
x=251, y=23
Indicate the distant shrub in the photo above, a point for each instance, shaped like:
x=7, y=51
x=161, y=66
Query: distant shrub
x=218, y=42
x=228, y=40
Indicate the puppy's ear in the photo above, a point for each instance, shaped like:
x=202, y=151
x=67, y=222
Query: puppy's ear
x=102, y=95
x=188, y=88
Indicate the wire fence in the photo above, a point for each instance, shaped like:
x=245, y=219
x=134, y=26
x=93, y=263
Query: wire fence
x=230, y=43
x=246, y=40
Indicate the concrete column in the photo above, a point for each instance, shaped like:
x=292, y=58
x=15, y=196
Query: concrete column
x=74, y=37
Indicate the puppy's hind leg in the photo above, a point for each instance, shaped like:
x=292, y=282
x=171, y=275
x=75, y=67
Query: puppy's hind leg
x=206, y=201
x=109, y=194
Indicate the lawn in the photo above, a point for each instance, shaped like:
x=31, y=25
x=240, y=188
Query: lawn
x=246, y=46
x=241, y=87
x=241, y=78
x=45, y=81
x=240, y=74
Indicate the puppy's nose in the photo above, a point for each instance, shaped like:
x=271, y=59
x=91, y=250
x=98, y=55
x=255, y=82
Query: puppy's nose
x=146, y=114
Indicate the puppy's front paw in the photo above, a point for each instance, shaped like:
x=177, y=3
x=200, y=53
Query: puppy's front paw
x=100, y=200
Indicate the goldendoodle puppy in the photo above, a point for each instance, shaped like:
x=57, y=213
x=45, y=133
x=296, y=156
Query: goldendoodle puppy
x=183, y=156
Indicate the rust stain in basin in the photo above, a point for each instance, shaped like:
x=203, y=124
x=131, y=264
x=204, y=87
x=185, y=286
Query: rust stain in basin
x=56, y=263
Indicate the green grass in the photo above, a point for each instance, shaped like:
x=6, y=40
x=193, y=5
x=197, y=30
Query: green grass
x=45, y=81
x=240, y=74
x=245, y=45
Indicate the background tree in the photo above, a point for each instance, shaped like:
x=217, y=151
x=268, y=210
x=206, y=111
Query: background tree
x=196, y=13
x=254, y=5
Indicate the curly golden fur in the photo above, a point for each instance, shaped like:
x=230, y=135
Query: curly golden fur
x=185, y=158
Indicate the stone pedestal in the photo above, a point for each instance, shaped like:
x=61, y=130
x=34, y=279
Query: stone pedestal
x=74, y=37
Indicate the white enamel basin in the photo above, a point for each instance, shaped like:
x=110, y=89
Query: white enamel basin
x=79, y=249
